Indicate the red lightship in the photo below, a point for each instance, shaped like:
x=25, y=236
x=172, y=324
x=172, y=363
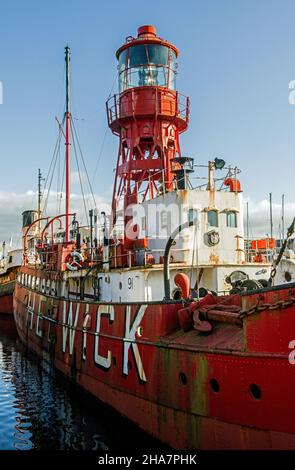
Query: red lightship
x=160, y=315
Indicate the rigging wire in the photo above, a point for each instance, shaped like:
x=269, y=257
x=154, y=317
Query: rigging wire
x=105, y=133
x=56, y=163
x=52, y=167
x=52, y=159
x=75, y=134
x=58, y=181
x=62, y=186
x=100, y=153
x=79, y=173
x=83, y=163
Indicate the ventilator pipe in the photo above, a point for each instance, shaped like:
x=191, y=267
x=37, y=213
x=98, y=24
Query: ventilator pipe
x=169, y=244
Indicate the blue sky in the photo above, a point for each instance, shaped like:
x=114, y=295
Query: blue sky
x=236, y=61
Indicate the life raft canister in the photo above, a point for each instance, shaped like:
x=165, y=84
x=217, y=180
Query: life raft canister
x=73, y=261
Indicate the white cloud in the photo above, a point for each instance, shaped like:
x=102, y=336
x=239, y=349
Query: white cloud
x=259, y=217
x=13, y=204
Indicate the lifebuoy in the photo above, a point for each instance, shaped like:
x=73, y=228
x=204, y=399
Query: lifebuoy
x=73, y=261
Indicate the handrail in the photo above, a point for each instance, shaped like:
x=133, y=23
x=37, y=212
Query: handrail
x=51, y=221
x=28, y=229
x=181, y=109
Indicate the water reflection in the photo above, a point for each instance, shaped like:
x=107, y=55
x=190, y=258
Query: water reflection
x=40, y=410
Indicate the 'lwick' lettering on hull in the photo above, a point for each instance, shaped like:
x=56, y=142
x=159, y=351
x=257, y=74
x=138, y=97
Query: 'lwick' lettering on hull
x=129, y=340
x=68, y=325
x=30, y=310
x=39, y=332
x=102, y=361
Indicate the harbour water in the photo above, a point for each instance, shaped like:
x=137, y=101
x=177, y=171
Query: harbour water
x=40, y=410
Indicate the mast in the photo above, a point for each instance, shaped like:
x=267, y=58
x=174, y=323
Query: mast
x=68, y=143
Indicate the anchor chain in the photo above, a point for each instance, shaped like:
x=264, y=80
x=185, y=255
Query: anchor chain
x=259, y=307
x=284, y=245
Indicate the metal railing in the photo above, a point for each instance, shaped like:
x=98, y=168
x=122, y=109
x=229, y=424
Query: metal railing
x=173, y=104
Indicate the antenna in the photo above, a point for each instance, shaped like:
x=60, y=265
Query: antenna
x=247, y=234
x=40, y=179
x=283, y=218
x=270, y=213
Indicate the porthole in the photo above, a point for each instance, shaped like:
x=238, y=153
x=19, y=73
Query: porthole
x=214, y=384
x=255, y=391
x=182, y=378
x=288, y=276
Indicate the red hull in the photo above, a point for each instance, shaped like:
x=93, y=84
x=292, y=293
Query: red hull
x=164, y=379
x=6, y=304
x=6, y=297
x=7, y=324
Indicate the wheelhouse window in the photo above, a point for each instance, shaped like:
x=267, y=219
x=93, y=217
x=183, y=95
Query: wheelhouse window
x=147, y=65
x=231, y=219
x=212, y=217
x=192, y=215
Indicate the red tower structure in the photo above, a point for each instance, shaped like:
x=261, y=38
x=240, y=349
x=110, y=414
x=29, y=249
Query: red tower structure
x=148, y=115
